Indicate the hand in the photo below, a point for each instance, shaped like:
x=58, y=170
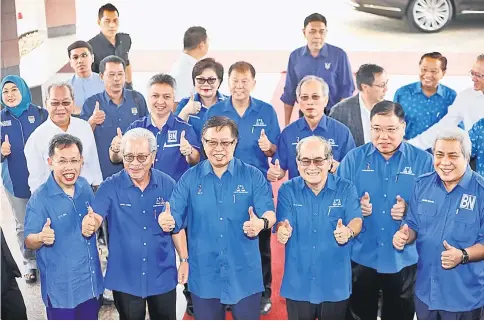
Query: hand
x=47, y=236
x=166, y=221
x=254, y=225
x=284, y=232
x=401, y=237
x=366, y=206
x=398, y=210
x=193, y=107
x=6, y=147
x=342, y=233
x=116, y=142
x=98, y=116
x=89, y=223
x=264, y=142
x=334, y=166
x=183, y=273
x=185, y=147
x=274, y=172
x=451, y=257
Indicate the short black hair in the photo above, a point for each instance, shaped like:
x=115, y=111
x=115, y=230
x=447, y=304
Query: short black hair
x=208, y=63
x=366, y=74
x=107, y=7
x=315, y=17
x=112, y=58
x=387, y=107
x=79, y=44
x=193, y=37
x=62, y=141
x=242, y=66
x=435, y=55
x=162, y=79
x=221, y=122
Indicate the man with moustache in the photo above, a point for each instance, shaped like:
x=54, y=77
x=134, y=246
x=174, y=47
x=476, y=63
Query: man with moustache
x=60, y=225
x=384, y=173
x=445, y=220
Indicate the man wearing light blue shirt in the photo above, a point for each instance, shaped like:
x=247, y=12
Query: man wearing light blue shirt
x=445, y=220
x=384, y=172
x=476, y=135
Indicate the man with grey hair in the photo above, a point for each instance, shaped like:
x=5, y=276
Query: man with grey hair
x=312, y=95
x=321, y=212
x=142, y=264
x=60, y=104
x=446, y=221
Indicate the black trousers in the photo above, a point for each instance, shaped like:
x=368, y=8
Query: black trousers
x=266, y=257
x=160, y=307
x=13, y=305
x=397, y=293
x=302, y=310
x=423, y=313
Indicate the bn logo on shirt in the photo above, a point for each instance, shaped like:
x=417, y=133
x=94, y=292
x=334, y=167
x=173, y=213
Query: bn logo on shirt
x=467, y=202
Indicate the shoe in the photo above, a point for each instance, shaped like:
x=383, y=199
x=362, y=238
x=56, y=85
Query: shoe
x=190, y=310
x=107, y=297
x=265, y=306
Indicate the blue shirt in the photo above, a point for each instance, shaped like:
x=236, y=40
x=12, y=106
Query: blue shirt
x=14, y=167
x=337, y=134
x=317, y=269
x=132, y=108
x=70, y=271
x=197, y=120
x=457, y=217
x=331, y=64
x=421, y=112
x=141, y=256
x=258, y=116
x=224, y=263
x=383, y=180
x=168, y=157
x=86, y=87
x=477, y=138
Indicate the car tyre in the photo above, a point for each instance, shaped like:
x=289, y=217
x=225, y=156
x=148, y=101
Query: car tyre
x=429, y=15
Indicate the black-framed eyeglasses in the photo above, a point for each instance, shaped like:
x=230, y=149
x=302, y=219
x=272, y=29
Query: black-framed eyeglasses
x=318, y=161
x=313, y=97
x=477, y=75
x=65, y=103
x=214, y=143
x=210, y=80
x=141, y=158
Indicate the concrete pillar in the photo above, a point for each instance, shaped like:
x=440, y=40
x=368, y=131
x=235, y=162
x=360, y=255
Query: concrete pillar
x=60, y=16
x=9, y=49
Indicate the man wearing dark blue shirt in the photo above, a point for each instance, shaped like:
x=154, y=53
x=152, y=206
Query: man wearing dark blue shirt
x=319, y=59
x=224, y=203
x=446, y=221
x=384, y=172
x=60, y=226
x=317, y=214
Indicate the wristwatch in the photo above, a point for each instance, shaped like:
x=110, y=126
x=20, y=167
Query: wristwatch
x=465, y=257
x=184, y=259
x=266, y=223
x=352, y=234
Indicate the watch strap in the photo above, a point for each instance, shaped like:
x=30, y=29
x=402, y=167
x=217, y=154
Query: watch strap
x=465, y=256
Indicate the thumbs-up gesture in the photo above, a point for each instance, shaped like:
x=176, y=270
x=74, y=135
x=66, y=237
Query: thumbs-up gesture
x=254, y=225
x=98, y=116
x=166, y=221
x=399, y=208
x=6, y=147
x=274, y=172
x=451, y=257
x=193, y=107
x=47, y=235
x=89, y=223
x=284, y=232
x=366, y=206
x=264, y=142
x=401, y=237
x=185, y=148
x=116, y=142
x=342, y=233
x=334, y=166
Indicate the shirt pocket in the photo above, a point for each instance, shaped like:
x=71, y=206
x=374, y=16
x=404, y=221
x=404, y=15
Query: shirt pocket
x=465, y=228
x=426, y=215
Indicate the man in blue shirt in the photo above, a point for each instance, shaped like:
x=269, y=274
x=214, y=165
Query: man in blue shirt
x=319, y=59
x=317, y=282
x=312, y=93
x=446, y=221
x=116, y=107
x=142, y=265
x=477, y=138
x=224, y=250
x=259, y=130
x=60, y=226
x=384, y=172
x=426, y=102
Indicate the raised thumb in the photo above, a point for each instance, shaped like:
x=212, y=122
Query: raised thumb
x=447, y=245
x=182, y=135
x=192, y=97
x=119, y=132
x=6, y=139
x=47, y=224
x=340, y=223
x=167, y=208
x=262, y=133
x=400, y=199
x=367, y=196
x=277, y=164
x=405, y=229
x=251, y=212
x=96, y=107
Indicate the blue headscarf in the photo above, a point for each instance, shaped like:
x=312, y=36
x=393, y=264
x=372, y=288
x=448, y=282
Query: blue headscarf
x=24, y=91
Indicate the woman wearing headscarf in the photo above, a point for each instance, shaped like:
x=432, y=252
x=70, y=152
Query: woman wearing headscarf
x=19, y=118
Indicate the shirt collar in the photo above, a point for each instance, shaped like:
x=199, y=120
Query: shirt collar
x=170, y=121
x=53, y=187
x=206, y=168
x=106, y=96
x=330, y=183
x=402, y=148
x=323, y=52
x=189, y=58
x=302, y=123
x=362, y=104
x=220, y=97
x=127, y=182
x=418, y=89
x=466, y=179
x=228, y=106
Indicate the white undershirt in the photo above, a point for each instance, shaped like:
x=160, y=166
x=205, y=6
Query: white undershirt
x=365, y=119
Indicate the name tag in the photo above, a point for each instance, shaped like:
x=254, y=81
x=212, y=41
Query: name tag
x=123, y=204
x=6, y=123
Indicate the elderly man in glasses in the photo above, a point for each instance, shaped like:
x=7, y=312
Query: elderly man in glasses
x=142, y=265
x=318, y=213
x=384, y=173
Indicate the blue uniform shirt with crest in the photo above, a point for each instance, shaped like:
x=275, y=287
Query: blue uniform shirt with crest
x=477, y=138
x=458, y=218
x=70, y=270
x=224, y=263
x=383, y=180
x=141, y=256
x=317, y=269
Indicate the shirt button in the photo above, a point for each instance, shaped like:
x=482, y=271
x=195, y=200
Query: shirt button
x=386, y=179
x=144, y=212
x=88, y=243
x=383, y=212
x=315, y=214
x=384, y=195
x=144, y=259
x=144, y=228
x=91, y=257
x=314, y=231
x=221, y=235
x=314, y=247
x=143, y=273
x=382, y=244
x=156, y=159
x=221, y=219
x=387, y=163
x=92, y=272
x=157, y=145
x=144, y=244
x=220, y=202
x=314, y=262
x=79, y=214
x=382, y=228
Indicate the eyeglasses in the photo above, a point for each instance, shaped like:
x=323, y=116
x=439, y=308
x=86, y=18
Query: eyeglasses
x=477, y=75
x=65, y=103
x=389, y=131
x=306, y=162
x=382, y=86
x=214, y=143
x=313, y=97
x=141, y=158
x=210, y=80
x=64, y=162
